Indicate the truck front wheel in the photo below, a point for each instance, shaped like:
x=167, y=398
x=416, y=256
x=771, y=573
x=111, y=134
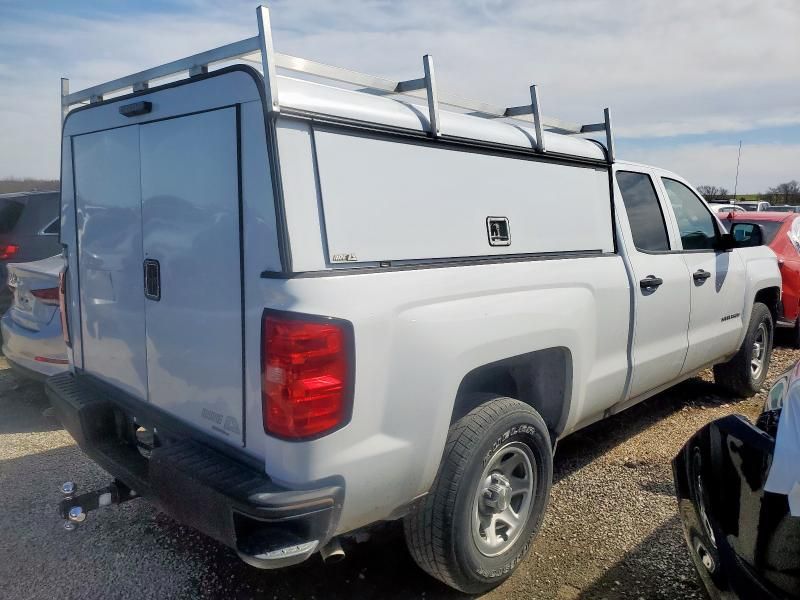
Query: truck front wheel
x=479, y=519
x=744, y=374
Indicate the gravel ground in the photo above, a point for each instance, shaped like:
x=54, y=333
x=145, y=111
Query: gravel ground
x=611, y=530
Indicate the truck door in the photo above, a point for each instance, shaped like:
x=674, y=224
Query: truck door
x=717, y=279
x=661, y=285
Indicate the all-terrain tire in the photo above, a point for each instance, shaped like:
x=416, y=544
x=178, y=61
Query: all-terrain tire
x=737, y=375
x=439, y=530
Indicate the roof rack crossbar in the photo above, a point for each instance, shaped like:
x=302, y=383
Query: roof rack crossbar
x=262, y=47
x=203, y=59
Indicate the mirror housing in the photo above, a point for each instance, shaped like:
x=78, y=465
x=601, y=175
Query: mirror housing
x=725, y=243
x=746, y=235
x=742, y=235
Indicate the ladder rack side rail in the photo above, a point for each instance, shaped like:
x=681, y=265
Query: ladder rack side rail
x=64, y=94
x=609, y=135
x=537, y=119
x=433, y=95
x=268, y=59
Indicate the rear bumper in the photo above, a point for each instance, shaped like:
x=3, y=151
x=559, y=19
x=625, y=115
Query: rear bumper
x=216, y=490
x=21, y=347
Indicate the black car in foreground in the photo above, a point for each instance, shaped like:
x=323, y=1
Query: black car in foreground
x=744, y=540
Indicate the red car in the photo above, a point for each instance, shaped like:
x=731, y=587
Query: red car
x=781, y=232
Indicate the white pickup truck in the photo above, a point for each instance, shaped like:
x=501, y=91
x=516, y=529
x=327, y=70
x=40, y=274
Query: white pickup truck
x=295, y=309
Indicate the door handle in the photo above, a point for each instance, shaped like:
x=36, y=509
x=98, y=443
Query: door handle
x=650, y=282
x=700, y=275
x=152, y=279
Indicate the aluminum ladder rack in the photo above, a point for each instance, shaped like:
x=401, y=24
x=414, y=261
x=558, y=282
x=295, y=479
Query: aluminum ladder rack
x=259, y=49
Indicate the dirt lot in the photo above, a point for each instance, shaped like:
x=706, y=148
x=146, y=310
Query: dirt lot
x=611, y=530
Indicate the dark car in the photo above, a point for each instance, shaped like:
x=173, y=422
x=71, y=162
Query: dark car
x=743, y=539
x=29, y=228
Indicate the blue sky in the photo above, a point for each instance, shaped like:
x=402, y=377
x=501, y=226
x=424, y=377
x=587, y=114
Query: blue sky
x=685, y=80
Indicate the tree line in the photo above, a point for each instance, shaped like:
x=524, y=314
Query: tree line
x=14, y=184
x=783, y=193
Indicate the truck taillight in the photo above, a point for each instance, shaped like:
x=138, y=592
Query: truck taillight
x=48, y=296
x=62, y=305
x=8, y=251
x=306, y=374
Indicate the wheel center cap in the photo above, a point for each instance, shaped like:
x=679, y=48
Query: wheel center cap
x=497, y=495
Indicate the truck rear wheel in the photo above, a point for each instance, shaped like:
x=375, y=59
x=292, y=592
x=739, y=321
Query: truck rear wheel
x=486, y=505
x=744, y=374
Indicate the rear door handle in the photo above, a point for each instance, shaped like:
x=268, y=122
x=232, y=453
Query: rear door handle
x=650, y=282
x=700, y=276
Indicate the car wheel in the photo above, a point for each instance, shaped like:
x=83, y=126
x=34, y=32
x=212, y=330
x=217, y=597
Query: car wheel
x=486, y=505
x=745, y=373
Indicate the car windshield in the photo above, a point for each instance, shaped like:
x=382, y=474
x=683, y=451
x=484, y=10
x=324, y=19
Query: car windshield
x=10, y=212
x=749, y=207
x=768, y=228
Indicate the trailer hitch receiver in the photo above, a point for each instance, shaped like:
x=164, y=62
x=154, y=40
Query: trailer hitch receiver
x=73, y=508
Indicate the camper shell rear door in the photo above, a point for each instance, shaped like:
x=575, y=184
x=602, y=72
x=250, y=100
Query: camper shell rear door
x=153, y=216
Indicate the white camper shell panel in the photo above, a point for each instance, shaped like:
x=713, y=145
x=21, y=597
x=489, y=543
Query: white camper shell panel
x=386, y=200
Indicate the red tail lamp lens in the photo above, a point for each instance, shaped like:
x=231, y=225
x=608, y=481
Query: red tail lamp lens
x=306, y=375
x=47, y=295
x=8, y=251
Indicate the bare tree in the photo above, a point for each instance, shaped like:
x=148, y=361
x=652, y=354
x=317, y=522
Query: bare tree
x=712, y=192
x=788, y=193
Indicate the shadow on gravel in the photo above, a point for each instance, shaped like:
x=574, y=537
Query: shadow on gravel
x=646, y=564
x=22, y=404
x=584, y=446
x=381, y=568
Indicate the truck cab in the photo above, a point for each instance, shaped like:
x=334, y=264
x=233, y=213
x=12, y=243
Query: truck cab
x=672, y=242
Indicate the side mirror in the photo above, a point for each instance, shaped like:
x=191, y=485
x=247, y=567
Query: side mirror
x=725, y=243
x=745, y=235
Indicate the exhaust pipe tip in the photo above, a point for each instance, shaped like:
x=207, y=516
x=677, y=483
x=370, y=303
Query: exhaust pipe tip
x=332, y=552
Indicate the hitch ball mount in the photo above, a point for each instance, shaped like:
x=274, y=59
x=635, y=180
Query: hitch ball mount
x=73, y=508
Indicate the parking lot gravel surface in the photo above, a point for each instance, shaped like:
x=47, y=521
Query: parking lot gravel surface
x=611, y=530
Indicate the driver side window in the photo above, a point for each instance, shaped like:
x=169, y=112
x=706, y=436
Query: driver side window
x=697, y=227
